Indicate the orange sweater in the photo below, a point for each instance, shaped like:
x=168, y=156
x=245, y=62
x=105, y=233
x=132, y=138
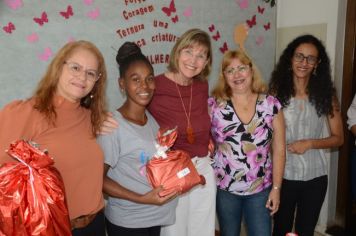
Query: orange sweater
x=70, y=143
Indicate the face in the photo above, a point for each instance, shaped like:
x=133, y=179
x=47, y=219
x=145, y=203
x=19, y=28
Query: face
x=138, y=84
x=77, y=77
x=192, y=60
x=238, y=76
x=304, y=61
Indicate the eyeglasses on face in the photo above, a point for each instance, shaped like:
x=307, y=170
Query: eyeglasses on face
x=75, y=69
x=241, y=69
x=299, y=57
x=201, y=57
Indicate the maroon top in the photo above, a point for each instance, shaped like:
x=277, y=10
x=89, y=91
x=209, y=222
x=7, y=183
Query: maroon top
x=167, y=109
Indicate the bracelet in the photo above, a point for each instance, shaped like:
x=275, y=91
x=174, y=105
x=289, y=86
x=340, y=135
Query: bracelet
x=276, y=187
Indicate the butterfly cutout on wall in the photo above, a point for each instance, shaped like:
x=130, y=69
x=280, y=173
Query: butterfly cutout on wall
x=68, y=13
x=188, y=12
x=224, y=48
x=260, y=9
x=45, y=55
x=14, y=4
x=94, y=14
x=168, y=10
x=9, y=28
x=41, y=20
x=88, y=2
x=175, y=19
x=243, y=4
x=32, y=38
x=211, y=28
x=216, y=37
x=267, y=26
x=251, y=22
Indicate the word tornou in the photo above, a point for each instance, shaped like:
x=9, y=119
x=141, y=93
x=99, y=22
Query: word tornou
x=130, y=30
x=137, y=12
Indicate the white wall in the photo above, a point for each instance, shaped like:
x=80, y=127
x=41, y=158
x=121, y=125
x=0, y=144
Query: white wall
x=329, y=17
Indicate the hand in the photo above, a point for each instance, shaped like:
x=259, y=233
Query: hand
x=153, y=198
x=273, y=201
x=299, y=147
x=108, y=125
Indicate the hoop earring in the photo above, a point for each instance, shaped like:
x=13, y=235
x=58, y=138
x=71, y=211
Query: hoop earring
x=314, y=72
x=86, y=101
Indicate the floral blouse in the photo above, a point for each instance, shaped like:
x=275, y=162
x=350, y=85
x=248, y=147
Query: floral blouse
x=242, y=159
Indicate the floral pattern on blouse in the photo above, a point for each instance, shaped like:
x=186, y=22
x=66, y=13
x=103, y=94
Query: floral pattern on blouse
x=242, y=159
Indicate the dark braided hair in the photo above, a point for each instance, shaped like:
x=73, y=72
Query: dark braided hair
x=320, y=89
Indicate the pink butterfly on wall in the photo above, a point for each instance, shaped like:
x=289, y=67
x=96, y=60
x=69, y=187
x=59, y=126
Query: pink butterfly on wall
x=224, y=48
x=216, y=37
x=88, y=2
x=251, y=22
x=94, y=14
x=45, y=55
x=68, y=13
x=188, y=12
x=168, y=10
x=175, y=19
x=41, y=20
x=260, y=9
x=267, y=26
x=32, y=38
x=14, y=4
x=9, y=28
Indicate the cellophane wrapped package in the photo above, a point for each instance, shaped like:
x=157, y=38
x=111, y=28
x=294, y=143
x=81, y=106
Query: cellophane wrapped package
x=172, y=169
x=32, y=197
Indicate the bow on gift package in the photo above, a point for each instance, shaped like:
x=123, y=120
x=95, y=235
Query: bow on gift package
x=172, y=169
x=32, y=198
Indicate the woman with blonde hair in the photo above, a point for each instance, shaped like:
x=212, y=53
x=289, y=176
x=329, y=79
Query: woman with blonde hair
x=246, y=125
x=63, y=117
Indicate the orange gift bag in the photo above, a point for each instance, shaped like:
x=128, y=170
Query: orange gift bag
x=172, y=169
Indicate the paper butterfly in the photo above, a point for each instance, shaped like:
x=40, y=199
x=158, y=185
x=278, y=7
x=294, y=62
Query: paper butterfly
x=9, y=28
x=14, y=4
x=170, y=9
x=243, y=4
x=43, y=19
x=251, y=22
x=47, y=53
x=88, y=2
x=94, y=14
x=260, y=9
x=68, y=13
x=187, y=12
x=224, y=48
x=32, y=38
x=216, y=36
x=212, y=28
x=175, y=19
x=267, y=26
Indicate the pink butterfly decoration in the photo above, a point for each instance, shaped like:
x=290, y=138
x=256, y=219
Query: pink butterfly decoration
x=260, y=9
x=32, y=38
x=267, y=26
x=251, y=22
x=175, y=19
x=243, y=4
x=188, y=12
x=170, y=9
x=9, y=28
x=88, y=2
x=211, y=28
x=14, y=4
x=224, y=48
x=45, y=55
x=68, y=13
x=216, y=37
x=43, y=19
x=94, y=14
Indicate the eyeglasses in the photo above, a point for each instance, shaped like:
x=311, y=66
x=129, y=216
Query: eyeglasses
x=241, y=69
x=201, y=57
x=311, y=60
x=76, y=70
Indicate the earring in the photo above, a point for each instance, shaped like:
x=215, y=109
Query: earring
x=86, y=101
x=314, y=71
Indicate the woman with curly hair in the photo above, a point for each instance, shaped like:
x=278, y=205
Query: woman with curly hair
x=302, y=83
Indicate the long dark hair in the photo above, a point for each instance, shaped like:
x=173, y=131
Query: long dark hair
x=320, y=89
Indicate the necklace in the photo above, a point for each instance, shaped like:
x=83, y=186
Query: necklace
x=189, y=129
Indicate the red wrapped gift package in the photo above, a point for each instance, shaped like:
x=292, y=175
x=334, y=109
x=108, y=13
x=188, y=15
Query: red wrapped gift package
x=172, y=169
x=32, y=197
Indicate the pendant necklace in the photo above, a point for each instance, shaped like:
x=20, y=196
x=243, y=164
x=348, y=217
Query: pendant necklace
x=189, y=129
